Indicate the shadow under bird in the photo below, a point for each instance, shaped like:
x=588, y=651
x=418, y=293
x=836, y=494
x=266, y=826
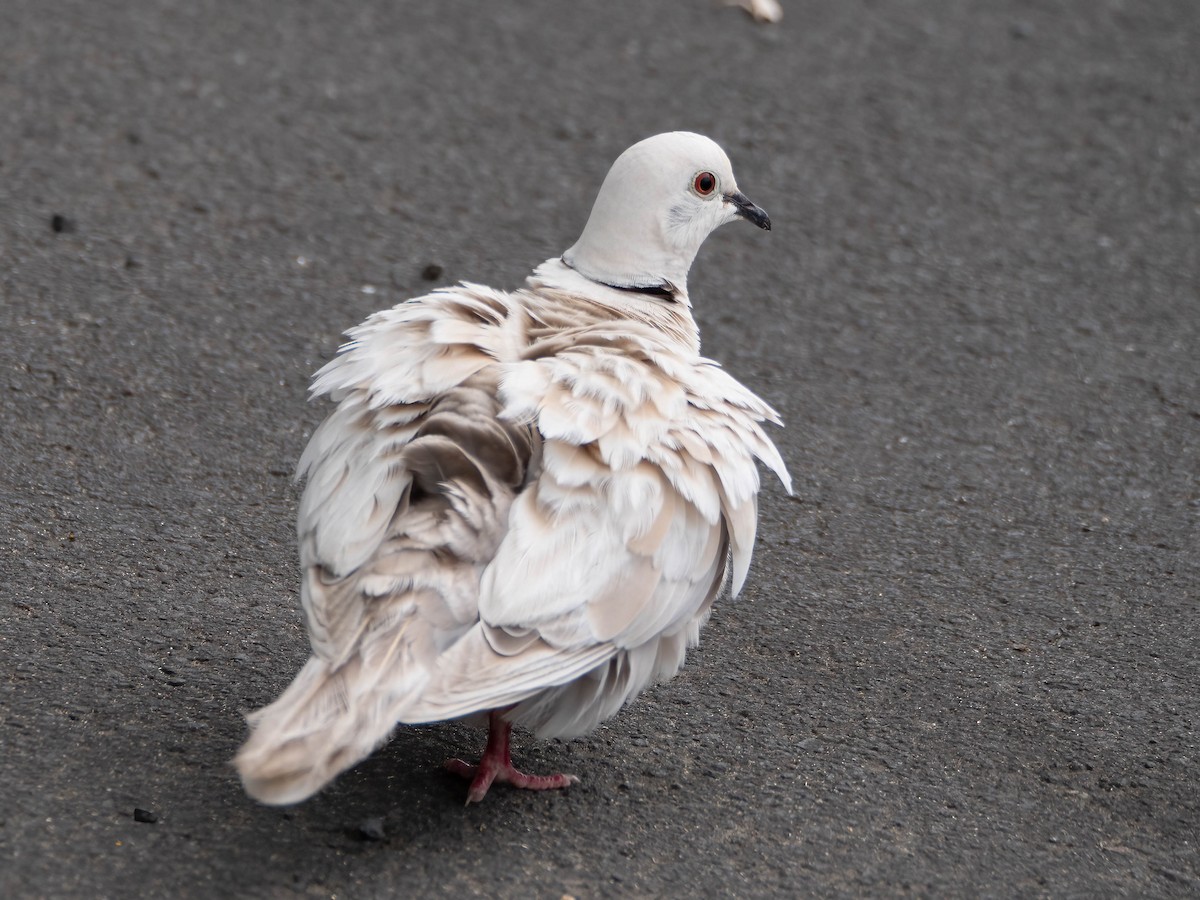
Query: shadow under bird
x=524, y=503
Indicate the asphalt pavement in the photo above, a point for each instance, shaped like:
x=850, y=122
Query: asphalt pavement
x=966, y=660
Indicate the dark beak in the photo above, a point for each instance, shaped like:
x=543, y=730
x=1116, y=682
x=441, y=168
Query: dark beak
x=749, y=211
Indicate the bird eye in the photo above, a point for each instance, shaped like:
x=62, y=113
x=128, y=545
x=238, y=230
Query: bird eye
x=704, y=183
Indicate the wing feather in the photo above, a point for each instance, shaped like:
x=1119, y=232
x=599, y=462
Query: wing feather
x=624, y=538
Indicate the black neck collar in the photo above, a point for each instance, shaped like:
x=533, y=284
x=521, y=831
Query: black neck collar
x=664, y=291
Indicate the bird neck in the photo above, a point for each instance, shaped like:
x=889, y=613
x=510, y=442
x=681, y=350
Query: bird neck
x=664, y=290
x=585, y=299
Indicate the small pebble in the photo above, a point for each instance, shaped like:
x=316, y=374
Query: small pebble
x=372, y=829
x=144, y=815
x=432, y=272
x=60, y=224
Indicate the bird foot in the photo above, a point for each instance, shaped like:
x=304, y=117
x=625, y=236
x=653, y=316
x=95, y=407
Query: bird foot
x=491, y=771
x=495, y=766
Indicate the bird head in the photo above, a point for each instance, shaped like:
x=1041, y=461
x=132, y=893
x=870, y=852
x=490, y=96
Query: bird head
x=660, y=200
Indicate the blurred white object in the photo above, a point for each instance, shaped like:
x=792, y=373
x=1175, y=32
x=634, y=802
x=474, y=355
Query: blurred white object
x=761, y=10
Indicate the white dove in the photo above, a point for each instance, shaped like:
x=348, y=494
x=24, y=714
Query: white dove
x=524, y=503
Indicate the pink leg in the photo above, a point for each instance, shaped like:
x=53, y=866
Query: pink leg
x=496, y=766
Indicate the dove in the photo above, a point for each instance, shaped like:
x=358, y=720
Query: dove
x=523, y=504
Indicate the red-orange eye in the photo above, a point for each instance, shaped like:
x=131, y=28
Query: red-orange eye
x=705, y=183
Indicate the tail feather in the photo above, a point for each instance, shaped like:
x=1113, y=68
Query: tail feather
x=326, y=721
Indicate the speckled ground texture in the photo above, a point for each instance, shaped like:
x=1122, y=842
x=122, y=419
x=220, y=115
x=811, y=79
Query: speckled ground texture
x=966, y=662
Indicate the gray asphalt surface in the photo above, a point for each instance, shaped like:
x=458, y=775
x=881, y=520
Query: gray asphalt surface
x=966, y=661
